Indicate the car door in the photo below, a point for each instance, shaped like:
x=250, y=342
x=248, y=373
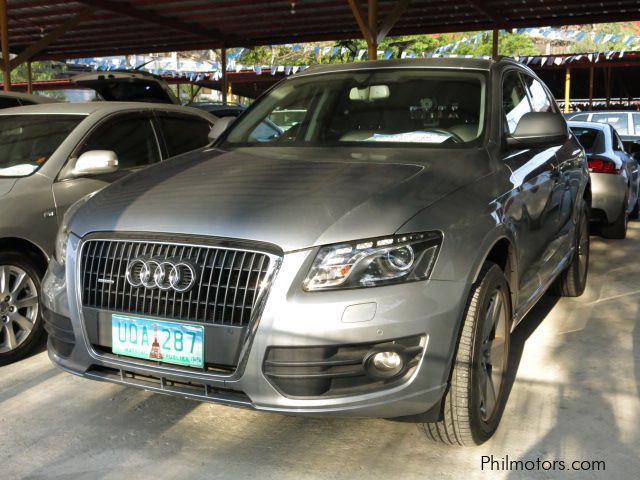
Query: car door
x=183, y=133
x=533, y=209
x=630, y=165
x=131, y=136
x=569, y=159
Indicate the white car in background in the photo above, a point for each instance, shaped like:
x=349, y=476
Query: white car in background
x=52, y=155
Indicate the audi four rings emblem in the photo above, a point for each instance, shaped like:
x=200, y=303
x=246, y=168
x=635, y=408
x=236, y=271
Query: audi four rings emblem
x=165, y=274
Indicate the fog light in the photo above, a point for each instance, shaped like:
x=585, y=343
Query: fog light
x=384, y=364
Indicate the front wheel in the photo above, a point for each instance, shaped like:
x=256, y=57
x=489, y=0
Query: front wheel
x=477, y=393
x=21, y=326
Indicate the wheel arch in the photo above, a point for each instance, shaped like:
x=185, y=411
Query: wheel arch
x=500, y=249
x=26, y=247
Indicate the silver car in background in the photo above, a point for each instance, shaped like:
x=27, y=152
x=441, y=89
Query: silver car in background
x=615, y=179
x=53, y=154
x=369, y=258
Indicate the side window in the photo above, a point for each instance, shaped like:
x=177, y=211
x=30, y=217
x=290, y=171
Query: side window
x=9, y=102
x=133, y=139
x=636, y=123
x=184, y=133
x=540, y=100
x=619, y=121
x=581, y=117
x=514, y=100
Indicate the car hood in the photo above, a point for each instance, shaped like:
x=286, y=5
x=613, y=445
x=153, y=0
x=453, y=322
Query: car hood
x=291, y=197
x=6, y=184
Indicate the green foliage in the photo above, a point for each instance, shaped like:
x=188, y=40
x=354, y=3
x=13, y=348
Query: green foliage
x=39, y=71
x=510, y=44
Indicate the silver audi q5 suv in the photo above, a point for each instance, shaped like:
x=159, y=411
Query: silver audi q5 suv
x=367, y=254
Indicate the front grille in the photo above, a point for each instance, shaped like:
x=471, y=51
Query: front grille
x=225, y=292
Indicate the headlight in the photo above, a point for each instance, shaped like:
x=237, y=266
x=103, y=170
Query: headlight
x=374, y=262
x=63, y=232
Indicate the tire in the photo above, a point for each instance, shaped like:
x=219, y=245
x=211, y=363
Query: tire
x=635, y=213
x=573, y=280
x=618, y=229
x=19, y=307
x=467, y=419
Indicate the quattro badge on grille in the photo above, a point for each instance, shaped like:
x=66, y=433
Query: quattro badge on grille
x=162, y=273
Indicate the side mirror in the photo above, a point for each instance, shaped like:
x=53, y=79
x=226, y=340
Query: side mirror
x=95, y=162
x=220, y=127
x=539, y=129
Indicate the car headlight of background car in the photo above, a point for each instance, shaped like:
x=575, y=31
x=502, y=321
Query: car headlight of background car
x=374, y=262
x=63, y=232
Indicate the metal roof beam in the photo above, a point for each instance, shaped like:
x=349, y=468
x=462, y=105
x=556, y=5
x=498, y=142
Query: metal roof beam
x=127, y=9
x=361, y=20
x=485, y=9
x=51, y=37
x=399, y=8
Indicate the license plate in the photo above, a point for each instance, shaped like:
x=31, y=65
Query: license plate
x=157, y=340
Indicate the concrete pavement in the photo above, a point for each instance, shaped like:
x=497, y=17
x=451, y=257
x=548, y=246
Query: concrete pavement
x=575, y=396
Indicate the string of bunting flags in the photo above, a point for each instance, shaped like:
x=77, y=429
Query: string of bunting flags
x=196, y=70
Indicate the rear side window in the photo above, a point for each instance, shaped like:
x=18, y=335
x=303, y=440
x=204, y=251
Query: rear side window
x=636, y=123
x=183, y=133
x=589, y=138
x=133, y=139
x=514, y=100
x=619, y=121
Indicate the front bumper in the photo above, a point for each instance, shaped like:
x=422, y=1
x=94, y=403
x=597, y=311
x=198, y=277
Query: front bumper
x=608, y=196
x=430, y=310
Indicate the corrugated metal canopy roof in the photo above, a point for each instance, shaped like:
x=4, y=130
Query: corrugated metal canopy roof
x=137, y=26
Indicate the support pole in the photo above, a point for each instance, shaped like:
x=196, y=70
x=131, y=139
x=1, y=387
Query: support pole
x=567, y=90
x=608, y=73
x=591, y=75
x=373, y=30
x=494, y=48
x=225, y=83
x=29, y=78
x=4, y=45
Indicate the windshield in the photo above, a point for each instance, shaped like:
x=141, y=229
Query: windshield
x=411, y=106
x=591, y=139
x=27, y=141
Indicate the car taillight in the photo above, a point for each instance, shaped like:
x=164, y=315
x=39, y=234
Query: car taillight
x=603, y=165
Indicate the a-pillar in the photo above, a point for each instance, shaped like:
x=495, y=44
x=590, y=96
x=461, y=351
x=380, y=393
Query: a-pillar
x=225, y=80
x=567, y=90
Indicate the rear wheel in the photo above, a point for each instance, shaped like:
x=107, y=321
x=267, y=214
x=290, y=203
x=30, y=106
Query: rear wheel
x=635, y=213
x=21, y=326
x=573, y=280
x=617, y=229
x=477, y=394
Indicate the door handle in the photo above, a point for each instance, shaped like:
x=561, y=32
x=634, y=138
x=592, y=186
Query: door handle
x=49, y=214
